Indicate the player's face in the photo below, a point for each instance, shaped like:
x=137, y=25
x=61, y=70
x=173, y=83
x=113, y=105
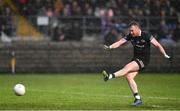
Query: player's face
x=134, y=30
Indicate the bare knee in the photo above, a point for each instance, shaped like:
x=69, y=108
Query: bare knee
x=129, y=77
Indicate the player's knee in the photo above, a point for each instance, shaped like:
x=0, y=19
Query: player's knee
x=129, y=77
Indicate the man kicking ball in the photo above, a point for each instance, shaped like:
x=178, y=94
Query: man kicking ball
x=141, y=42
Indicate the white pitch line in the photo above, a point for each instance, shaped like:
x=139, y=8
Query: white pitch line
x=165, y=98
x=105, y=95
x=126, y=96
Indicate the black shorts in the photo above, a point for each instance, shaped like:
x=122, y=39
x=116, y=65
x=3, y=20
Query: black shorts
x=141, y=63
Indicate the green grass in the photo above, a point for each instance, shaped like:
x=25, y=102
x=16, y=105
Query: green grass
x=88, y=91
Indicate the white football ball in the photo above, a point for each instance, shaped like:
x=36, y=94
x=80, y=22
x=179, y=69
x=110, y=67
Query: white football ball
x=19, y=89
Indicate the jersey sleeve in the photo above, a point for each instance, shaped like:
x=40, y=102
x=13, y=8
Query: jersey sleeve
x=149, y=37
x=127, y=37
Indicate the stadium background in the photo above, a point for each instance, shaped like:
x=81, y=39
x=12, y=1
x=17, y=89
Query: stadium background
x=68, y=35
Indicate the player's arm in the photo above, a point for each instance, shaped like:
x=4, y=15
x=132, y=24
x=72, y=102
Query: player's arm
x=116, y=44
x=159, y=46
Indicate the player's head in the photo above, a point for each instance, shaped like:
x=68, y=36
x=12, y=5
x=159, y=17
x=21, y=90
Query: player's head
x=134, y=28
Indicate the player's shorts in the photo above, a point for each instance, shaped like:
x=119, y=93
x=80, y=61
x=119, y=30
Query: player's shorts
x=141, y=63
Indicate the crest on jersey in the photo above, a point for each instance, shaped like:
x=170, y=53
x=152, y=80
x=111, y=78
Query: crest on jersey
x=143, y=40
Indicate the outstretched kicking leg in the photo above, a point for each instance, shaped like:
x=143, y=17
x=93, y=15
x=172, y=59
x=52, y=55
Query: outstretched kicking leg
x=130, y=67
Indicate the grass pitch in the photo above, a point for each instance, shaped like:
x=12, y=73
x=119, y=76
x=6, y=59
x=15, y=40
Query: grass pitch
x=88, y=92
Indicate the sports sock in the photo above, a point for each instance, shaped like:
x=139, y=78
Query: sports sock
x=111, y=76
x=137, y=96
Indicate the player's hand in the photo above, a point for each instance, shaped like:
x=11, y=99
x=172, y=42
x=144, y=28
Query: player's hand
x=167, y=57
x=107, y=47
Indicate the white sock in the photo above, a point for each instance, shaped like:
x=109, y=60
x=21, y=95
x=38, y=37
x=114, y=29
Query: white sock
x=137, y=97
x=110, y=76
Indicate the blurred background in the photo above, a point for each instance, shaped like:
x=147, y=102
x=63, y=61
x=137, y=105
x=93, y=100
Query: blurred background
x=68, y=35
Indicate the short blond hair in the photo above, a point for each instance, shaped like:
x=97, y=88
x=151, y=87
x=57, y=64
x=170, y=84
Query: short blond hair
x=135, y=23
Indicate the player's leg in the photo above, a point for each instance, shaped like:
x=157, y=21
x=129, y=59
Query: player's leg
x=130, y=67
x=133, y=86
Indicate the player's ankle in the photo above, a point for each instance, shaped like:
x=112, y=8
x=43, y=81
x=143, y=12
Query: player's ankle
x=137, y=96
x=111, y=75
